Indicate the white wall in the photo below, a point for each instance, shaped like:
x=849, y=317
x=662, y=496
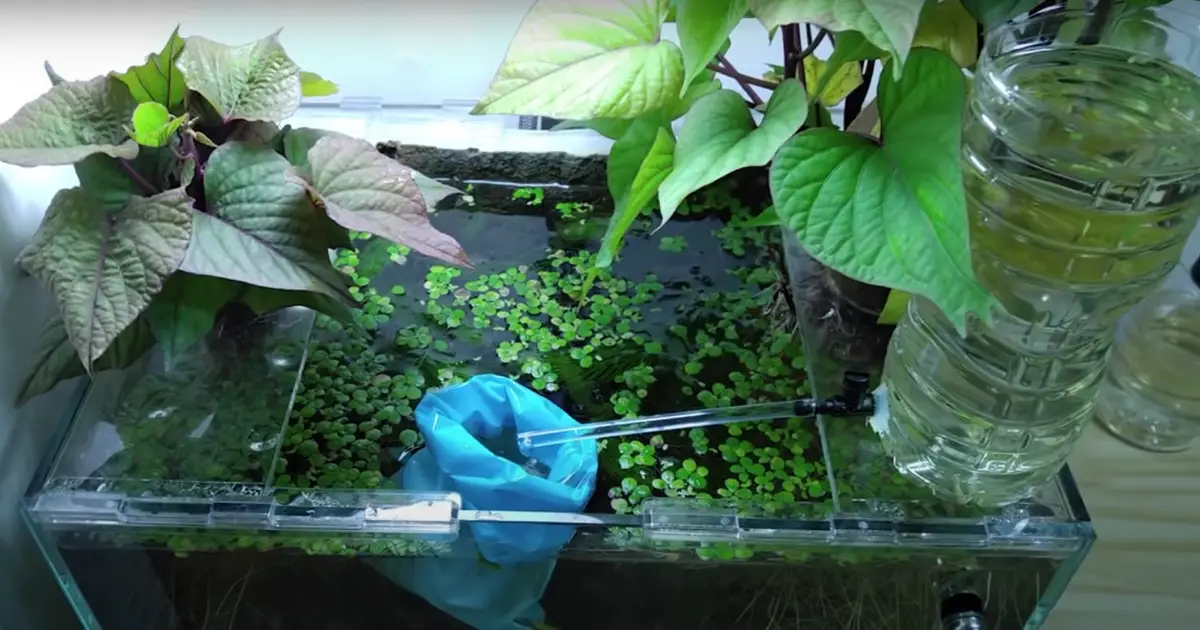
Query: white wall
x=422, y=52
x=405, y=51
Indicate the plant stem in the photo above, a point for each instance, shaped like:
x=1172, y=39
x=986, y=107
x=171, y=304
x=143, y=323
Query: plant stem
x=725, y=68
x=189, y=149
x=813, y=43
x=855, y=100
x=1096, y=24
x=749, y=80
x=137, y=178
x=791, y=52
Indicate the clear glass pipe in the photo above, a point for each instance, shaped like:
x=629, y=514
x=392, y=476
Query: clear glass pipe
x=664, y=422
x=854, y=401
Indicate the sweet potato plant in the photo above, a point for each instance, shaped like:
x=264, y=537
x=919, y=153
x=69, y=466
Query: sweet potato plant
x=192, y=200
x=877, y=194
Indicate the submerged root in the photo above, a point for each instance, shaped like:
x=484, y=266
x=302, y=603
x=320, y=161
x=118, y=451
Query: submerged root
x=780, y=310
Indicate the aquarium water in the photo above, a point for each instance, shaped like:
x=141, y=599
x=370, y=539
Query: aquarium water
x=1080, y=170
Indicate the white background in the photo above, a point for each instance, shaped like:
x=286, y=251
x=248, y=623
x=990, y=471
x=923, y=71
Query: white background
x=404, y=52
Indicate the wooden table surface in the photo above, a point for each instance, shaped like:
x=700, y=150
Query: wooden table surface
x=1143, y=573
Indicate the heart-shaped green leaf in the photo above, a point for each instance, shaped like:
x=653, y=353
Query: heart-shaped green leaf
x=892, y=215
x=767, y=218
x=989, y=13
x=950, y=28
x=261, y=229
x=57, y=360
x=583, y=60
x=702, y=85
x=719, y=137
x=313, y=84
x=264, y=301
x=637, y=165
x=153, y=125
x=184, y=311
x=367, y=191
x=888, y=24
x=613, y=128
x=70, y=122
x=104, y=181
x=834, y=84
x=704, y=26
x=159, y=79
x=256, y=81
x=104, y=268
x=894, y=308
x=298, y=141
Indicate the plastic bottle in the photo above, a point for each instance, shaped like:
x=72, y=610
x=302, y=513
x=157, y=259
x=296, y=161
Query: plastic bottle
x=1150, y=396
x=1082, y=171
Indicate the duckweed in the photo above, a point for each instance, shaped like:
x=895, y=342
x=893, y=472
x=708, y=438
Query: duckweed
x=632, y=345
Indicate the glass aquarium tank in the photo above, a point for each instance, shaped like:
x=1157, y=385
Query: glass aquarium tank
x=259, y=482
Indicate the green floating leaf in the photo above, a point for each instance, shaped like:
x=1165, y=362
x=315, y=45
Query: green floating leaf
x=888, y=24
x=102, y=268
x=704, y=26
x=990, y=13
x=637, y=165
x=312, y=84
x=57, y=360
x=367, y=191
x=893, y=215
x=70, y=122
x=950, y=28
x=184, y=311
x=159, y=79
x=719, y=137
x=262, y=228
x=585, y=60
x=256, y=81
x=153, y=125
